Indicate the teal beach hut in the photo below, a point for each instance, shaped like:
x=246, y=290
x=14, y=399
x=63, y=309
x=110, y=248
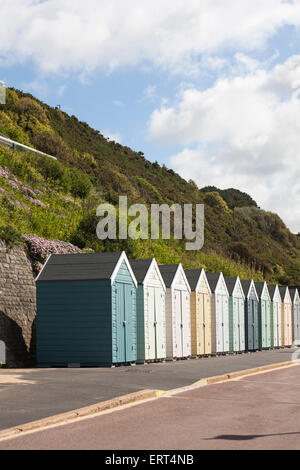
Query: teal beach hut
x=251, y=316
x=265, y=316
x=236, y=314
x=86, y=310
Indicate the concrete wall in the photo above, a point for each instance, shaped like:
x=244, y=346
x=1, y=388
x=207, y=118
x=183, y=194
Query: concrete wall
x=17, y=306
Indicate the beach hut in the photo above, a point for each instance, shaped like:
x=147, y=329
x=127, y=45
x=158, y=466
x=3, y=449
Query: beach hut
x=276, y=306
x=294, y=292
x=251, y=316
x=86, y=310
x=287, y=316
x=264, y=315
x=220, y=313
x=200, y=312
x=178, y=312
x=236, y=314
x=150, y=310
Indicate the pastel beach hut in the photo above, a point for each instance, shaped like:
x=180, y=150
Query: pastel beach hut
x=251, y=316
x=220, y=313
x=178, y=311
x=201, y=313
x=151, y=311
x=236, y=314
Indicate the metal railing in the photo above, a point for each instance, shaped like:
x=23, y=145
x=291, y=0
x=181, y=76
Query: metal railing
x=15, y=145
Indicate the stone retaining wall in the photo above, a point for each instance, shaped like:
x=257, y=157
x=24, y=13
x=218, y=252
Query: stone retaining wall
x=17, y=305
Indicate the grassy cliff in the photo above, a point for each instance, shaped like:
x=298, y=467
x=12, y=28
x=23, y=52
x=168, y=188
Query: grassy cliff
x=56, y=200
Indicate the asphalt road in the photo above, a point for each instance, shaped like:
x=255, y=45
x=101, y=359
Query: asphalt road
x=28, y=395
x=256, y=412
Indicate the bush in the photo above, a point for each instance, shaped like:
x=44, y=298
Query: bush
x=213, y=199
x=51, y=169
x=80, y=184
x=32, y=107
x=52, y=144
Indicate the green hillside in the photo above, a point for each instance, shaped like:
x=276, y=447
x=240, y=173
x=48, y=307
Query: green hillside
x=56, y=200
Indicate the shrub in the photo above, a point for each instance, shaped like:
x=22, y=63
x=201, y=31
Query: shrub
x=32, y=107
x=51, y=169
x=52, y=144
x=213, y=199
x=80, y=184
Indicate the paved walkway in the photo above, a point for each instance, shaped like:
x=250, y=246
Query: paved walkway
x=257, y=412
x=28, y=395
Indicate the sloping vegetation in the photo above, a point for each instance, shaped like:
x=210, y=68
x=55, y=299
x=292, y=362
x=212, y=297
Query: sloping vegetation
x=56, y=200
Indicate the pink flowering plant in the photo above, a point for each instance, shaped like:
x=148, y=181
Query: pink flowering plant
x=40, y=248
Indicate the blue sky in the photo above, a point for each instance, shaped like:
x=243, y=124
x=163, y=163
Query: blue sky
x=207, y=88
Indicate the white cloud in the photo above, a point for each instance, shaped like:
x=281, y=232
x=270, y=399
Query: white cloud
x=80, y=36
x=242, y=132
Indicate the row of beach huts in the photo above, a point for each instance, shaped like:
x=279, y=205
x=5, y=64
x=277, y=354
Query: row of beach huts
x=102, y=309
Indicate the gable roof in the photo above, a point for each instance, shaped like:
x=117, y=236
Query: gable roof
x=282, y=290
x=194, y=277
x=273, y=289
x=169, y=272
x=84, y=267
x=142, y=268
x=213, y=279
x=259, y=288
x=230, y=284
x=294, y=292
x=246, y=287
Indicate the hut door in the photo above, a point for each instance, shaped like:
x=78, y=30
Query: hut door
x=241, y=326
x=151, y=353
x=178, y=324
x=235, y=321
x=225, y=323
x=269, y=324
x=186, y=326
x=289, y=325
x=279, y=320
x=250, y=324
x=284, y=324
x=276, y=325
x=263, y=323
x=159, y=324
x=219, y=323
x=130, y=341
x=297, y=322
x=207, y=323
x=121, y=323
x=200, y=324
x=256, y=326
